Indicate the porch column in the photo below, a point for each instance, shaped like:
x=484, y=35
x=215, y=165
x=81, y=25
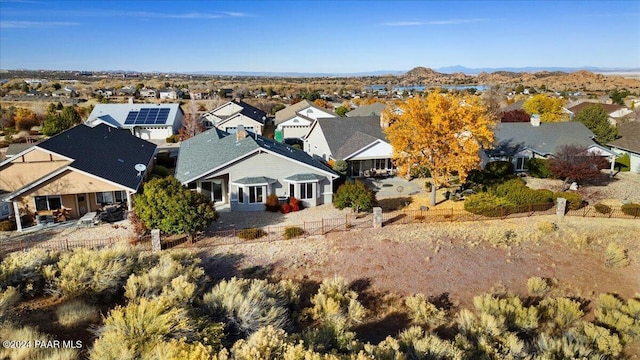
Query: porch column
x=16, y=213
x=613, y=164
x=129, y=206
x=86, y=199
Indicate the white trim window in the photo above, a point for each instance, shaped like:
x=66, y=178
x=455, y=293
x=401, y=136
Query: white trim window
x=240, y=195
x=110, y=197
x=306, y=191
x=256, y=194
x=522, y=163
x=49, y=202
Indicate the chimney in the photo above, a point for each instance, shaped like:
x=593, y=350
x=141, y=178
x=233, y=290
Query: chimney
x=241, y=133
x=535, y=120
x=130, y=100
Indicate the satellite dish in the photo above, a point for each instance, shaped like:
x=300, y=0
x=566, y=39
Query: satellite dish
x=140, y=168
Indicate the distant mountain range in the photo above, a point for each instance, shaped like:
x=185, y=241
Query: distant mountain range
x=444, y=70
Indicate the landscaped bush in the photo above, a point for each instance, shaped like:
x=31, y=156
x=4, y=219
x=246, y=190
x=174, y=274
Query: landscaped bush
x=356, y=195
x=623, y=163
x=26, y=271
x=251, y=233
x=631, y=209
x=160, y=171
x=99, y=274
x=518, y=193
x=539, y=168
x=7, y=225
x=616, y=256
x=574, y=200
x=602, y=208
x=499, y=169
x=76, y=312
x=294, y=203
x=487, y=204
x=291, y=232
x=248, y=304
x=272, y=203
x=173, y=139
x=285, y=208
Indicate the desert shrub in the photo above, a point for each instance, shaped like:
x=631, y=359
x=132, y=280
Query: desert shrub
x=486, y=204
x=538, y=286
x=515, y=315
x=7, y=225
x=266, y=343
x=291, y=232
x=416, y=343
x=560, y=313
x=76, y=312
x=176, y=276
x=539, y=168
x=486, y=336
x=623, y=163
x=160, y=171
x=249, y=304
x=586, y=341
x=500, y=169
x=547, y=227
x=134, y=331
x=615, y=256
x=272, y=203
x=173, y=138
x=631, y=209
x=621, y=317
x=26, y=271
x=335, y=303
x=251, y=233
x=8, y=297
x=356, y=195
x=25, y=333
x=294, y=203
x=99, y=274
x=285, y=208
x=424, y=313
x=574, y=200
x=602, y=208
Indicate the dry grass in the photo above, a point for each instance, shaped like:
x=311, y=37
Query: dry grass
x=77, y=312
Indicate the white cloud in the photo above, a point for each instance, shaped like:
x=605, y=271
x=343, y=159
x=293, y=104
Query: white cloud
x=33, y=24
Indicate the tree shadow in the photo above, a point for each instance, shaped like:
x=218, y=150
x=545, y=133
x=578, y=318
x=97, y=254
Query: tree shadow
x=394, y=203
x=376, y=331
x=221, y=266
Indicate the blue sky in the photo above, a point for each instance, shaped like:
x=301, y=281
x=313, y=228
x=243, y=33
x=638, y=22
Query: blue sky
x=316, y=36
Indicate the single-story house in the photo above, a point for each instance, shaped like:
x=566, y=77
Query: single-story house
x=81, y=170
x=614, y=112
x=629, y=143
x=519, y=142
x=238, y=171
x=294, y=122
x=359, y=141
x=227, y=117
x=169, y=94
x=146, y=121
x=148, y=93
x=374, y=109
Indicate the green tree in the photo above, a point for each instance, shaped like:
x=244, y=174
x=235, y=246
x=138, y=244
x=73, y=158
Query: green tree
x=57, y=86
x=341, y=111
x=549, y=109
x=595, y=118
x=167, y=205
x=356, y=195
x=340, y=166
x=618, y=96
x=70, y=115
x=55, y=123
x=277, y=108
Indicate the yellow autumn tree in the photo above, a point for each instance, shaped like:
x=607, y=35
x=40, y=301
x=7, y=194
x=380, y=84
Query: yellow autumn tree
x=442, y=132
x=550, y=109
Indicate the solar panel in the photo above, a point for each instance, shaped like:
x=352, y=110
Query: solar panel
x=131, y=117
x=163, y=114
x=148, y=116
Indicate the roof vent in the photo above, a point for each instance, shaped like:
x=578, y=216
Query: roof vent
x=120, y=160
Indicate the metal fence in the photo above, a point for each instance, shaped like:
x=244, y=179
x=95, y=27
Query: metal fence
x=322, y=227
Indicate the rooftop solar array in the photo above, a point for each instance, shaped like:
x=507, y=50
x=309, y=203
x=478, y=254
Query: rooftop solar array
x=147, y=116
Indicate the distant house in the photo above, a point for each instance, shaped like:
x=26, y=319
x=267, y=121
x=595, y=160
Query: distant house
x=169, y=94
x=104, y=92
x=293, y=122
x=238, y=171
x=615, y=112
x=146, y=121
x=200, y=94
x=374, y=109
x=126, y=91
x=629, y=143
x=148, y=93
x=227, y=117
x=520, y=142
x=359, y=141
x=80, y=170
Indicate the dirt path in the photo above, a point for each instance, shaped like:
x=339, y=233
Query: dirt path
x=459, y=260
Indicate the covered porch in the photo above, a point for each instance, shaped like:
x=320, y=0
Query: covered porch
x=370, y=168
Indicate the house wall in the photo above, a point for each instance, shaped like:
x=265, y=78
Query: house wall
x=316, y=144
x=25, y=169
x=227, y=109
x=294, y=131
x=71, y=182
x=315, y=113
x=278, y=168
x=634, y=159
x=157, y=133
x=378, y=150
x=177, y=122
x=244, y=121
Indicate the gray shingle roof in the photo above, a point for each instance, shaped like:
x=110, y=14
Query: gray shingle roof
x=213, y=149
x=630, y=137
x=15, y=149
x=103, y=151
x=374, y=109
x=255, y=180
x=545, y=139
x=346, y=135
x=290, y=111
x=304, y=177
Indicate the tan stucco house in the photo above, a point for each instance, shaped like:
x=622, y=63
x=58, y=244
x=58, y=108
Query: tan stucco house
x=81, y=170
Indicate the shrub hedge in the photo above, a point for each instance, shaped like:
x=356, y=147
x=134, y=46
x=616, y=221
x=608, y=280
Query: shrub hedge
x=631, y=209
x=574, y=200
x=602, y=208
x=291, y=232
x=539, y=168
x=251, y=233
